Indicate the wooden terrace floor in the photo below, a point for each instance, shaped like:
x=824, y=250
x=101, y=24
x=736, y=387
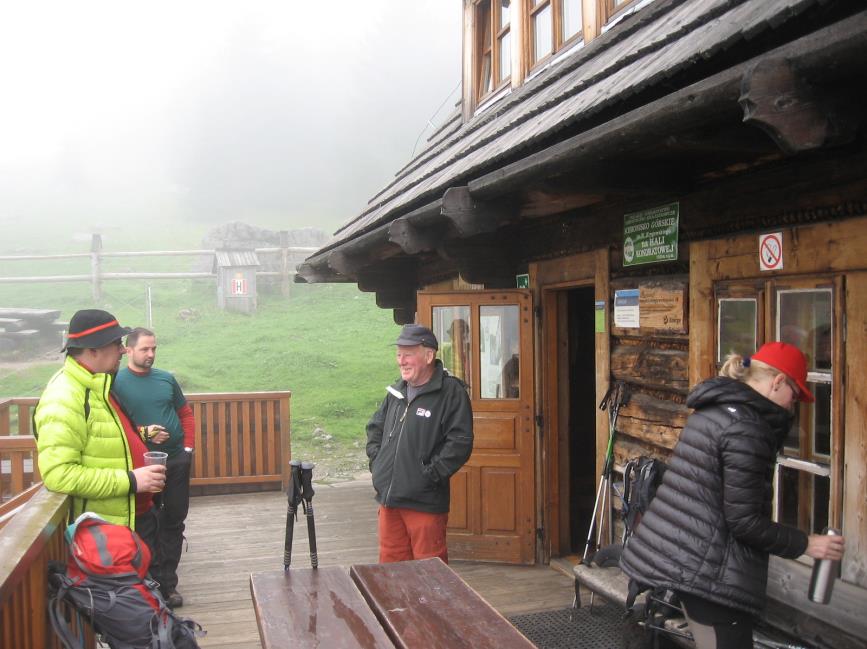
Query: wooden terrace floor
x=231, y=536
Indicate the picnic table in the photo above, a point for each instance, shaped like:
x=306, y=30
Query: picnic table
x=407, y=604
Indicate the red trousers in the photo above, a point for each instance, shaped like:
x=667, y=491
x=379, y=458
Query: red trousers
x=406, y=534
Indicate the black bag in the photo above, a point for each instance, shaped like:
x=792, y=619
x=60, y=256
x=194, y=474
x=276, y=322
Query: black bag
x=641, y=478
x=105, y=580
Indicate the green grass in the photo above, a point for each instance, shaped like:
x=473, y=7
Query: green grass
x=328, y=344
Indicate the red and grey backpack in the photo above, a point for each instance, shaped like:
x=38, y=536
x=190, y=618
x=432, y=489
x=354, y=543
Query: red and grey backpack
x=105, y=580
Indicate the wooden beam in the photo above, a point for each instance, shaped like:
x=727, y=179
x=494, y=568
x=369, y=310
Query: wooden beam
x=317, y=271
x=483, y=261
x=776, y=99
x=413, y=239
x=421, y=230
x=351, y=257
x=404, y=315
x=537, y=203
x=395, y=298
x=468, y=217
x=396, y=273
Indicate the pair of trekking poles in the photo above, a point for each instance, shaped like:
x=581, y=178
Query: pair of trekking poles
x=601, y=522
x=300, y=492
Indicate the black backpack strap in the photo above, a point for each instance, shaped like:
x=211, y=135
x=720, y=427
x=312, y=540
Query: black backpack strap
x=86, y=403
x=59, y=584
x=635, y=589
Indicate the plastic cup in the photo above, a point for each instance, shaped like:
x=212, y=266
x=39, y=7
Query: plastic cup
x=155, y=457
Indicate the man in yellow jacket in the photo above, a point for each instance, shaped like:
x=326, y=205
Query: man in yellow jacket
x=83, y=450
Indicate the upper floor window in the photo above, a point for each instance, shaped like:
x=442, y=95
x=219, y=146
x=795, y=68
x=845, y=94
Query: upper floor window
x=553, y=23
x=493, y=45
x=613, y=6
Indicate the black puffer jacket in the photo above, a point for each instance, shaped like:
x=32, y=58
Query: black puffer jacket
x=415, y=447
x=708, y=530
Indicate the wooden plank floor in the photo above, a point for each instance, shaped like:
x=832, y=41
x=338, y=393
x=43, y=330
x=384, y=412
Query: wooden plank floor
x=231, y=536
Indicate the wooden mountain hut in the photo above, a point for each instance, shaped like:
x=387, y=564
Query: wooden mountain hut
x=672, y=180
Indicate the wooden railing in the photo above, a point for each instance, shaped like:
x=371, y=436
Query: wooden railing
x=18, y=467
x=27, y=543
x=242, y=443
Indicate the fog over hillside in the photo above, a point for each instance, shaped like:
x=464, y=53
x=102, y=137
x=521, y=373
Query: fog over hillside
x=280, y=114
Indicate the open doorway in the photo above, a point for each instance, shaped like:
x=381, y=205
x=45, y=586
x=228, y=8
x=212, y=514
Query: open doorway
x=577, y=416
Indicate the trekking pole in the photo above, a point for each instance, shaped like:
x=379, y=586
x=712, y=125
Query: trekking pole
x=294, y=497
x=307, y=495
x=611, y=402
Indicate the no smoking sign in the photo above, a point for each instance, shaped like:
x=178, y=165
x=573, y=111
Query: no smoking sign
x=771, y=251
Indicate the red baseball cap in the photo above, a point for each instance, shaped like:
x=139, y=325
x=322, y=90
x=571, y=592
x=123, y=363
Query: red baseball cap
x=790, y=361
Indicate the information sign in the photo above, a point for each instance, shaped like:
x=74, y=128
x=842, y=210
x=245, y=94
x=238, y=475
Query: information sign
x=650, y=236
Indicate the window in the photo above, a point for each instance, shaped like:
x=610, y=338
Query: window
x=614, y=6
x=499, y=351
x=493, y=45
x=451, y=326
x=737, y=327
x=553, y=23
x=807, y=478
x=803, y=482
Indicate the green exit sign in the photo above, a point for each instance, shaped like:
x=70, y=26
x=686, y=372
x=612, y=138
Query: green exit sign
x=522, y=281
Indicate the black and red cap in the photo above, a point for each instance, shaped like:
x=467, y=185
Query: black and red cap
x=93, y=328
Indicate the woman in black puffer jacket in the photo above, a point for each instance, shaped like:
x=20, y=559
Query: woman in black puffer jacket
x=708, y=532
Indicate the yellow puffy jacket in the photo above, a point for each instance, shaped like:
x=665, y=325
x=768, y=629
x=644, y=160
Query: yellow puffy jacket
x=83, y=450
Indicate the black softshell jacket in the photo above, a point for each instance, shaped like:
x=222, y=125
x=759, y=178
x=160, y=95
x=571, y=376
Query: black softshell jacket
x=415, y=447
x=708, y=530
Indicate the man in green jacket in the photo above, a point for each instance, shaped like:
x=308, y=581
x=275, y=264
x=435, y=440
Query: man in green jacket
x=83, y=450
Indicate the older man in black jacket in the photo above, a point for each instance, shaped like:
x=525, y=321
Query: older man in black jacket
x=420, y=436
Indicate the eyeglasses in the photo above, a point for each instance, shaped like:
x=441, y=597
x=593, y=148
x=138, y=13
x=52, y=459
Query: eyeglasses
x=796, y=391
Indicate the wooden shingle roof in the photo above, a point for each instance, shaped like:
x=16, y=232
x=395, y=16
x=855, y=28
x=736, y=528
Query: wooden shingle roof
x=652, y=46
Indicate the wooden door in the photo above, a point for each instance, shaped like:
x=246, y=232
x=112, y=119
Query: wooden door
x=486, y=338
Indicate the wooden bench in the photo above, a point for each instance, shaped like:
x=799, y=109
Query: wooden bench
x=426, y=604
x=314, y=608
x=406, y=605
x=613, y=586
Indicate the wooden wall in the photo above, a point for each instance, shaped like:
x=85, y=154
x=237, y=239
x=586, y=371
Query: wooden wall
x=652, y=360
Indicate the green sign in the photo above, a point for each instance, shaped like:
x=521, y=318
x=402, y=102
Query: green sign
x=522, y=281
x=651, y=235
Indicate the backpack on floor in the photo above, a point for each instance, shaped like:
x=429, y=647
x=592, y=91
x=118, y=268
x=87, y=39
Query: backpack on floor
x=105, y=580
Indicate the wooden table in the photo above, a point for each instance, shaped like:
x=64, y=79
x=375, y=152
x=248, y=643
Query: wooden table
x=406, y=605
x=314, y=608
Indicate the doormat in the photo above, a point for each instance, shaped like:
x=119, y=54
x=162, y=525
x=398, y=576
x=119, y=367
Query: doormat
x=574, y=628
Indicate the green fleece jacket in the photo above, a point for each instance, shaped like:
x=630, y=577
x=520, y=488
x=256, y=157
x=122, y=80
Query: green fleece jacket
x=88, y=459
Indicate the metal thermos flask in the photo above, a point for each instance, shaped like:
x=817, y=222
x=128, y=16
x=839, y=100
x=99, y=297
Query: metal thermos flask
x=824, y=575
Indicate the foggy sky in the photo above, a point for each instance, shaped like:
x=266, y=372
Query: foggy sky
x=268, y=111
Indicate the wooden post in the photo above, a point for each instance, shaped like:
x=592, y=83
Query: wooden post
x=285, y=440
x=4, y=417
x=284, y=261
x=95, y=249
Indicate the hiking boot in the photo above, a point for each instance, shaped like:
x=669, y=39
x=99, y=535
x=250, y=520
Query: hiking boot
x=174, y=599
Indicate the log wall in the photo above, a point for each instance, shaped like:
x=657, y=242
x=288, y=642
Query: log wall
x=652, y=360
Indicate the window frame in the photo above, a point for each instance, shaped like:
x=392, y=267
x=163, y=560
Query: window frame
x=808, y=463
x=611, y=8
x=558, y=43
x=486, y=15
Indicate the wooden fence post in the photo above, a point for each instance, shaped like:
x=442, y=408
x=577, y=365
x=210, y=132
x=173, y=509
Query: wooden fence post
x=284, y=263
x=95, y=249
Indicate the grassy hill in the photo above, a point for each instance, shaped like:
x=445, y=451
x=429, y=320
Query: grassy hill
x=329, y=344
